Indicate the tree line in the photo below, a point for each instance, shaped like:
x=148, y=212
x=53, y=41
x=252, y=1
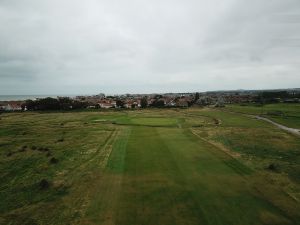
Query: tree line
x=63, y=103
x=275, y=96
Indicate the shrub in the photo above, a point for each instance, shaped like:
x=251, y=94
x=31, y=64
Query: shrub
x=53, y=160
x=33, y=147
x=273, y=167
x=44, y=184
x=197, y=125
x=29, y=221
x=60, y=140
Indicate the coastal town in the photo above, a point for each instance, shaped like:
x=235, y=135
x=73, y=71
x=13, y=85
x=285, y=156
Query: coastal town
x=167, y=100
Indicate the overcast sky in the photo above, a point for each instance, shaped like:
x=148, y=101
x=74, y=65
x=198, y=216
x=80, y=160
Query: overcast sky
x=142, y=46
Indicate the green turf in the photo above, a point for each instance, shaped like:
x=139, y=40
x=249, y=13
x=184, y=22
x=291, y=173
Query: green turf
x=148, y=121
x=146, y=167
x=285, y=113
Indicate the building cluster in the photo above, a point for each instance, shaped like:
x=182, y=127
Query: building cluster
x=130, y=101
x=217, y=99
x=11, y=105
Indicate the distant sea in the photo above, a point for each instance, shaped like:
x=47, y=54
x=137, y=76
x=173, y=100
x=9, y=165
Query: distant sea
x=25, y=97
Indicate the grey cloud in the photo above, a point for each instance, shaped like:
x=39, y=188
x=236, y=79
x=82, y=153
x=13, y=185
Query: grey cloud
x=146, y=46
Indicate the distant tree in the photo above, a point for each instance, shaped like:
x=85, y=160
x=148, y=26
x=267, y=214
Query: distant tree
x=65, y=103
x=196, y=97
x=30, y=104
x=275, y=94
x=23, y=106
x=47, y=104
x=190, y=103
x=79, y=105
x=120, y=103
x=144, y=102
x=54, y=104
x=158, y=103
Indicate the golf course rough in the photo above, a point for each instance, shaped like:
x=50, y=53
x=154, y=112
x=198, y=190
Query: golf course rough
x=147, y=167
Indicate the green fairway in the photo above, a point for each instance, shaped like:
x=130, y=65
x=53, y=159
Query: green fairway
x=196, y=166
x=149, y=121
